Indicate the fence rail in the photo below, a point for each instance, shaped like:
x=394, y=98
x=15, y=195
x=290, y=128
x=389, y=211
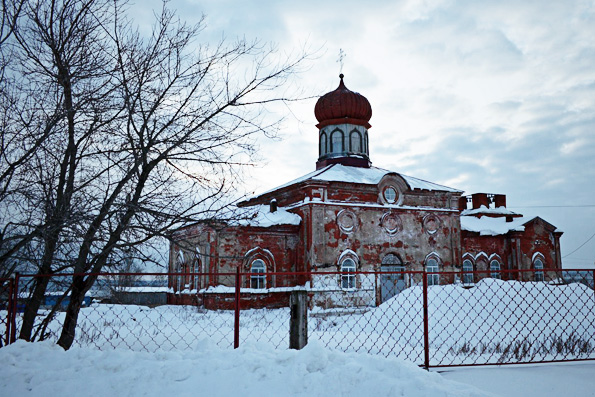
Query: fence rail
x=488, y=319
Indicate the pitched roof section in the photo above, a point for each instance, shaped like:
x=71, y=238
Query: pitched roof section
x=261, y=216
x=368, y=176
x=488, y=226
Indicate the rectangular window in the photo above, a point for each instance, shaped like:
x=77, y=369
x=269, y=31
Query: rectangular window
x=467, y=269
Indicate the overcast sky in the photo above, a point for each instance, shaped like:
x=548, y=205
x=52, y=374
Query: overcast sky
x=492, y=96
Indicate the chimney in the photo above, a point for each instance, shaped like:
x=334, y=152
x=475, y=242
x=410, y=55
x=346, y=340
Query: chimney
x=480, y=199
x=273, y=205
x=499, y=200
x=462, y=203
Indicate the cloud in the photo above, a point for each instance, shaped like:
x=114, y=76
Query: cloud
x=494, y=96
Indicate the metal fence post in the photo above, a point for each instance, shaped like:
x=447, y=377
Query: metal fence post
x=236, y=324
x=298, y=323
x=426, y=325
x=13, y=312
x=9, y=311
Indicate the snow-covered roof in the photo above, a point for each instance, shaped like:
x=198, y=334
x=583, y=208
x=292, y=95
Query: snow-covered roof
x=485, y=210
x=487, y=226
x=261, y=216
x=144, y=289
x=369, y=176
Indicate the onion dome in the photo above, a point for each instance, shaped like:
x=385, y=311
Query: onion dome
x=343, y=106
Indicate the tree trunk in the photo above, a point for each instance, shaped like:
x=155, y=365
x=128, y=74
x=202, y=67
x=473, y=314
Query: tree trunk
x=77, y=297
x=32, y=307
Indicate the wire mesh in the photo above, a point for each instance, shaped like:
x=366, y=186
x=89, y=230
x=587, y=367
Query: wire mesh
x=484, y=320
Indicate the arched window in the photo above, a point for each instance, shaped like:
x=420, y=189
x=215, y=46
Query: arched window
x=347, y=280
x=432, y=267
x=196, y=268
x=179, y=268
x=323, y=143
x=538, y=266
x=392, y=259
x=258, y=277
x=366, y=147
x=337, y=141
x=467, y=269
x=356, y=141
x=495, y=269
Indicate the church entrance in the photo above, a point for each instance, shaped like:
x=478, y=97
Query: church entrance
x=392, y=284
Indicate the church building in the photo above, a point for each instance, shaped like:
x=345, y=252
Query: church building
x=349, y=216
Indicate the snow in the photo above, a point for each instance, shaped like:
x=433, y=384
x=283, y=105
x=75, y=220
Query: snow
x=369, y=176
x=485, y=210
x=337, y=203
x=144, y=289
x=488, y=226
x=43, y=369
x=547, y=380
x=263, y=217
x=222, y=289
x=136, y=350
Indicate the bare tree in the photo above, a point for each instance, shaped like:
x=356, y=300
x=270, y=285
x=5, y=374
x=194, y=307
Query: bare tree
x=130, y=136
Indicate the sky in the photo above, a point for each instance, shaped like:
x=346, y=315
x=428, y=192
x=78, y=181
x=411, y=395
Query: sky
x=482, y=96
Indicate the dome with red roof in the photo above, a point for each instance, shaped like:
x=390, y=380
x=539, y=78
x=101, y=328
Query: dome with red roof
x=343, y=106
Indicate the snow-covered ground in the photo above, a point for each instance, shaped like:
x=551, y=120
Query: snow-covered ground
x=534, y=380
x=136, y=350
x=43, y=369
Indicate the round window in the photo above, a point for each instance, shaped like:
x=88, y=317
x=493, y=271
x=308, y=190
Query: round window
x=390, y=195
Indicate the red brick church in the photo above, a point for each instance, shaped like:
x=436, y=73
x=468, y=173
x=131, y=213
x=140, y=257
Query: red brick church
x=348, y=216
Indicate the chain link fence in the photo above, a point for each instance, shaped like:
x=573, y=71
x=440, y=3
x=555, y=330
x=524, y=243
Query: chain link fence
x=509, y=317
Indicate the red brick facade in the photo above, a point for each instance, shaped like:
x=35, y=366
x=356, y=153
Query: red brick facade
x=347, y=213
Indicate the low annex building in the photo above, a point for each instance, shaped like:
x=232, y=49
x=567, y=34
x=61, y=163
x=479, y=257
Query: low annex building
x=349, y=216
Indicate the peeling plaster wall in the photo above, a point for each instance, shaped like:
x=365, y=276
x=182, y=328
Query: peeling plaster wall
x=370, y=240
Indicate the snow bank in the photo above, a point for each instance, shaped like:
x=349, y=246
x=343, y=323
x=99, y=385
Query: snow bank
x=43, y=369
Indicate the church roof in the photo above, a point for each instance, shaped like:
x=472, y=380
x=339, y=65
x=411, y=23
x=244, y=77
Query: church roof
x=360, y=175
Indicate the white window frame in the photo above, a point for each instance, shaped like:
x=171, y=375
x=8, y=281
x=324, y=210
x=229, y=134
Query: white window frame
x=468, y=276
x=539, y=275
x=432, y=265
x=179, y=266
x=348, y=280
x=391, y=197
x=495, y=270
x=258, y=279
